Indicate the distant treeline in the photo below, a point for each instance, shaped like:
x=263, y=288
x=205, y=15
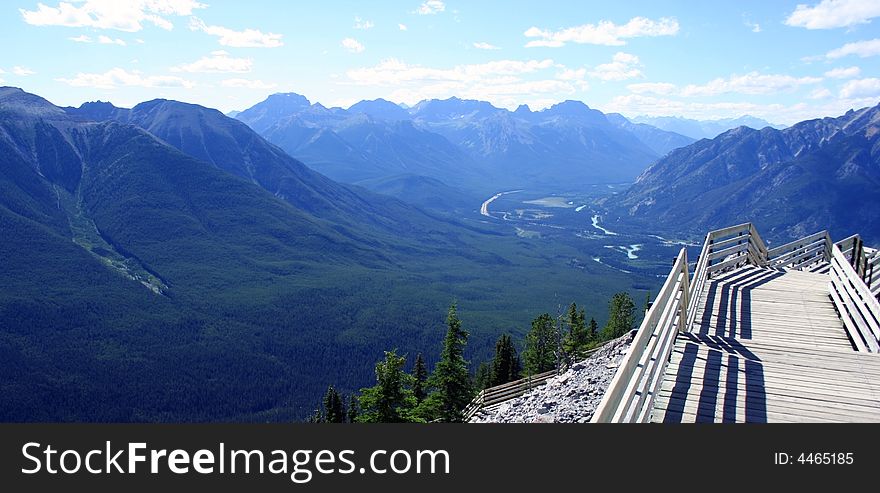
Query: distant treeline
x=440, y=396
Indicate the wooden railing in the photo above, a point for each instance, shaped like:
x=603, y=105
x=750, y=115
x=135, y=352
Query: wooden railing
x=505, y=392
x=802, y=253
x=854, y=291
x=725, y=249
x=630, y=396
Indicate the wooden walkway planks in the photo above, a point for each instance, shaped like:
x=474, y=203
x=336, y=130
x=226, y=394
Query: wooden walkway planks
x=768, y=346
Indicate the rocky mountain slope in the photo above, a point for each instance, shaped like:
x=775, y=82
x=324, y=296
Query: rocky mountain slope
x=817, y=174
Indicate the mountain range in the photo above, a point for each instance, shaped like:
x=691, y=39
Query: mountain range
x=816, y=174
x=166, y=263
x=470, y=145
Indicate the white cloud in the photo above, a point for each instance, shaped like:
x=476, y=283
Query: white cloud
x=352, y=45
x=861, y=49
x=247, y=84
x=604, y=33
x=571, y=74
x=623, y=66
x=362, y=24
x=843, y=73
x=754, y=26
x=127, y=15
x=431, y=7
x=249, y=38
x=117, y=77
x=485, y=46
x=750, y=83
x=402, y=27
x=662, y=88
x=217, y=62
x=820, y=93
x=106, y=40
x=505, y=83
x=82, y=38
x=829, y=14
x=861, y=88
x=22, y=71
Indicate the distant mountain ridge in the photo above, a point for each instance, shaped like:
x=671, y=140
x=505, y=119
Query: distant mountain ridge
x=816, y=174
x=703, y=129
x=468, y=144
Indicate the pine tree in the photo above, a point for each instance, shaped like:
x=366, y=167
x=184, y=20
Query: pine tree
x=483, y=377
x=621, y=316
x=391, y=400
x=506, y=365
x=353, y=410
x=451, y=379
x=316, y=417
x=540, y=352
x=420, y=374
x=577, y=339
x=334, y=410
x=593, y=332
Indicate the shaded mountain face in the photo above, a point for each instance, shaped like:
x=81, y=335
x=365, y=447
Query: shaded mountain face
x=814, y=175
x=660, y=141
x=468, y=144
x=230, y=145
x=703, y=129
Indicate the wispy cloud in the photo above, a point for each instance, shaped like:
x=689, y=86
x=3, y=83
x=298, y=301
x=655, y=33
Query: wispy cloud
x=861, y=88
x=662, y=88
x=107, y=40
x=22, y=71
x=843, y=72
x=830, y=14
x=352, y=45
x=248, y=38
x=82, y=38
x=750, y=83
x=431, y=7
x=402, y=27
x=604, y=33
x=363, y=24
x=504, y=83
x=247, y=84
x=218, y=62
x=118, y=77
x=622, y=66
x=127, y=15
x=861, y=49
x=485, y=46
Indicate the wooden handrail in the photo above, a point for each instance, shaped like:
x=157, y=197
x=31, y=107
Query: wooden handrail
x=630, y=396
x=855, y=302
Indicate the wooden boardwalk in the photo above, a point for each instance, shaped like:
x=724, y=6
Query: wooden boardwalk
x=767, y=345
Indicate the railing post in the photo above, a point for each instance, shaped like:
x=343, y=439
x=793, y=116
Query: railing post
x=684, y=300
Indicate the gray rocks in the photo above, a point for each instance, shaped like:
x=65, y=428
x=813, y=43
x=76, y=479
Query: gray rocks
x=571, y=397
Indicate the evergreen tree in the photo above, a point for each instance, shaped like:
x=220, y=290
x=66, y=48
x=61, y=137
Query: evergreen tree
x=353, y=409
x=540, y=352
x=316, y=417
x=451, y=379
x=621, y=316
x=483, y=377
x=391, y=400
x=420, y=374
x=593, y=332
x=506, y=365
x=334, y=409
x=577, y=339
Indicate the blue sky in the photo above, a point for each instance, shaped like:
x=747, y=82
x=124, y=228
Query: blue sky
x=779, y=60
